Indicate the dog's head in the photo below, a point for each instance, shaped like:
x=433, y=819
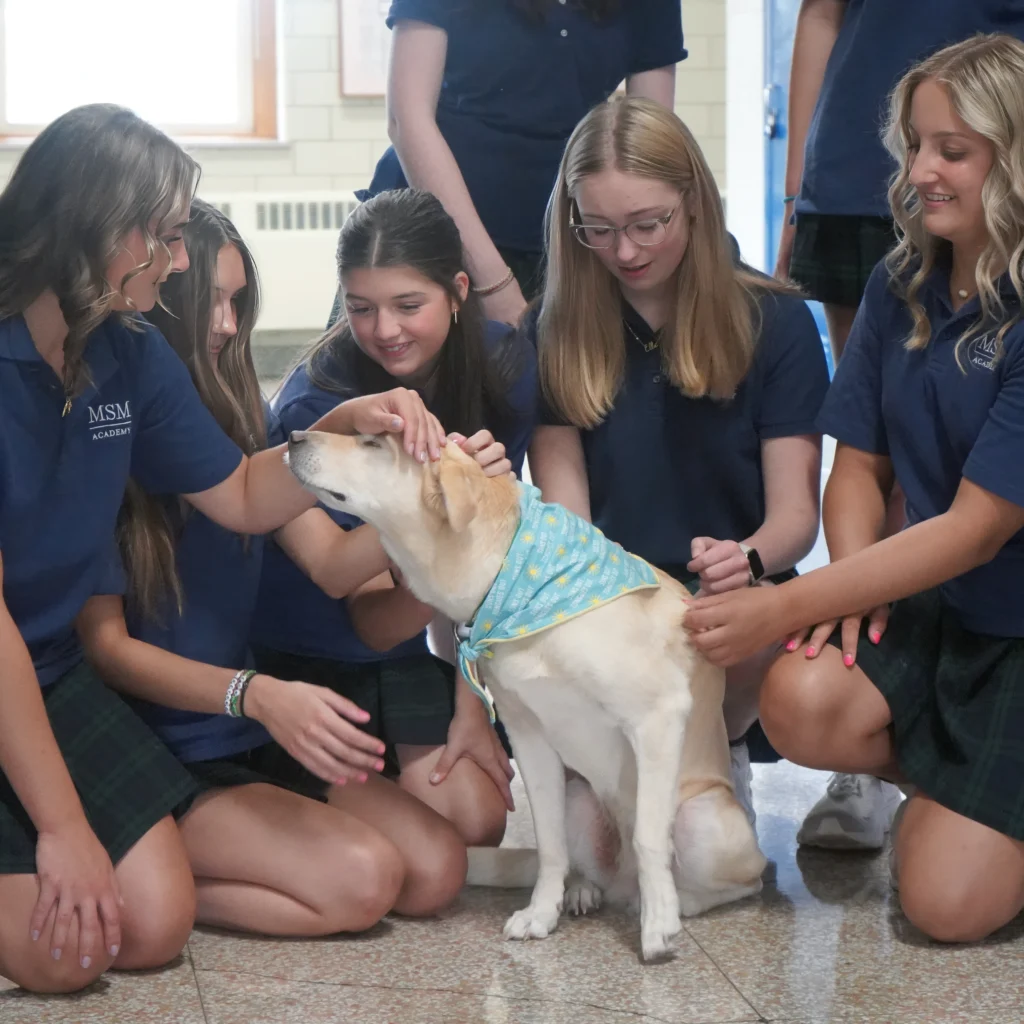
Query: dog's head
x=374, y=478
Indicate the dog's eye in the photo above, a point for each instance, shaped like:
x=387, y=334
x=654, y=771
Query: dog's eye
x=370, y=442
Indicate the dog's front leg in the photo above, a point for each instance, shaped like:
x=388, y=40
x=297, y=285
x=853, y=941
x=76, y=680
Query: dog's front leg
x=657, y=744
x=544, y=777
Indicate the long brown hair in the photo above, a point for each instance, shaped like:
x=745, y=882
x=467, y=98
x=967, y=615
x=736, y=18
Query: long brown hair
x=708, y=344
x=87, y=181
x=410, y=228
x=984, y=79
x=148, y=526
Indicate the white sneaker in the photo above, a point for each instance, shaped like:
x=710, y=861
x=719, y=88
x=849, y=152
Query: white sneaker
x=894, y=878
x=854, y=814
x=742, y=776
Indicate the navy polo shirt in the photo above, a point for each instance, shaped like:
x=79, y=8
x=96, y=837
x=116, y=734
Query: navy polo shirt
x=514, y=90
x=292, y=613
x=220, y=577
x=940, y=423
x=846, y=166
x=62, y=478
x=664, y=468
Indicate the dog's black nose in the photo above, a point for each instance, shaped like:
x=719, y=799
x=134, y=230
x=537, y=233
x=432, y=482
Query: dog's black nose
x=297, y=437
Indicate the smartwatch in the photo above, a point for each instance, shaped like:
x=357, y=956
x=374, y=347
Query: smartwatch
x=754, y=562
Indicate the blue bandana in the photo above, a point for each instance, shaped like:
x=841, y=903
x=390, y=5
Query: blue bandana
x=559, y=566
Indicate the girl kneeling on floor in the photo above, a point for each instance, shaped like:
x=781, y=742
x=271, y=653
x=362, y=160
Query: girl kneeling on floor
x=90, y=226
x=410, y=318
x=681, y=388
x=929, y=394
x=268, y=856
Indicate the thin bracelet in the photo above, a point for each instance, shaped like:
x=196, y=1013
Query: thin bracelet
x=492, y=288
x=789, y=199
x=236, y=691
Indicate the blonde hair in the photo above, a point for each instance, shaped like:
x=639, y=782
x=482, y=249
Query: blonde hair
x=984, y=79
x=86, y=181
x=708, y=344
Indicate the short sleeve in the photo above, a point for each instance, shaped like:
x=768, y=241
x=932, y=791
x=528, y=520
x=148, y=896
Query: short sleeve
x=852, y=412
x=795, y=379
x=655, y=34
x=433, y=12
x=276, y=433
x=523, y=398
x=111, y=577
x=996, y=462
x=179, y=448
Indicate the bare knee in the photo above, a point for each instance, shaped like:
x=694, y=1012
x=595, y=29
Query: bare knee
x=798, y=713
x=435, y=872
x=478, y=808
x=157, y=920
x=376, y=865
x=35, y=970
x=944, y=915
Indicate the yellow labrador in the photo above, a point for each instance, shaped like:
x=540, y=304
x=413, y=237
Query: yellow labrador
x=618, y=695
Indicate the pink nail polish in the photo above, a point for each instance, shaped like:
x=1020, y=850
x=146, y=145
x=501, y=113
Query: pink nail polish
x=792, y=645
x=875, y=637
x=848, y=660
x=811, y=652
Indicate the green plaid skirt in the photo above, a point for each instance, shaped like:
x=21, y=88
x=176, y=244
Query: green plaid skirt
x=957, y=703
x=269, y=764
x=126, y=778
x=410, y=700
x=833, y=256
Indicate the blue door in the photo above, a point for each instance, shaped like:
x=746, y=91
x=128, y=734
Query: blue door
x=780, y=24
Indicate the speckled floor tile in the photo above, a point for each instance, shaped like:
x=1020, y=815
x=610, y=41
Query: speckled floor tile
x=463, y=952
x=168, y=996
x=243, y=999
x=827, y=941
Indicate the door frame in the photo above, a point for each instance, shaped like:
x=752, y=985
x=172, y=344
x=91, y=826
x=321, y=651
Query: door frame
x=745, y=152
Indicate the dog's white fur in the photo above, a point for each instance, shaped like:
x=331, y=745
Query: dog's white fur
x=617, y=695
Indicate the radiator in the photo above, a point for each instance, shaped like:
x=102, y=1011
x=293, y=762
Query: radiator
x=293, y=238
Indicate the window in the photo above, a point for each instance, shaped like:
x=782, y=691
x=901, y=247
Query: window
x=194, y=67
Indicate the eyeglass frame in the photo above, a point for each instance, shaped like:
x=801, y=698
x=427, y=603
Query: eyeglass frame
x=665, y=220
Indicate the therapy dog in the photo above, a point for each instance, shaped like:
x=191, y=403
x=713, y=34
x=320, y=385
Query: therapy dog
x=581, y=646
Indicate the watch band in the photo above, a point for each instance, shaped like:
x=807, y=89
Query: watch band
x=754, y=563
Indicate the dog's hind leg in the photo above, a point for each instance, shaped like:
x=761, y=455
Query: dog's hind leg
x=544, y=776
x=594, y=846
x=657, y=743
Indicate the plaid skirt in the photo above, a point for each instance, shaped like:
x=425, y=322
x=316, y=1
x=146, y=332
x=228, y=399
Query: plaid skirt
x=833, y=256
x=126, y=778
x=410, y=700
x=957, y=703
x=269, y=764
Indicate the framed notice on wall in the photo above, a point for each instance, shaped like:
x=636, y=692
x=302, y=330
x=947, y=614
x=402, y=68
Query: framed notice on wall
x=365, y=41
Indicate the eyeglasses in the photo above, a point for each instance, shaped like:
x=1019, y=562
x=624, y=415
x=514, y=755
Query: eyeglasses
x=643, y=232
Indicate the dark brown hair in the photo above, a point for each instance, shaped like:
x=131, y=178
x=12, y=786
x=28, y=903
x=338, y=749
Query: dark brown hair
x=148, y=527
x=410, y=228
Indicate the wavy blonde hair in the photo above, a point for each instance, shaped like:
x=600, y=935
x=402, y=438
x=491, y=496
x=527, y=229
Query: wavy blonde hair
x=984, y=79
x=708, y=344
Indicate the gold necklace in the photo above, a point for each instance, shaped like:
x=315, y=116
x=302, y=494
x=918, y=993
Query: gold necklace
x=647, y=346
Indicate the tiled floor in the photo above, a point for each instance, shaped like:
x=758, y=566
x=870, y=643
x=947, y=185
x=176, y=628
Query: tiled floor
x=823, y=943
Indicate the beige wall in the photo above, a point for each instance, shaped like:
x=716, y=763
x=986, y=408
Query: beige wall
x=334, y=143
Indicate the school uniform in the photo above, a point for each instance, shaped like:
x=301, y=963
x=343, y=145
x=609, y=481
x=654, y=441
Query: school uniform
x=843, y=221
x=513, y=91
x=664, y=468
x=298, y=632
x=62, y=479
x=951, y=661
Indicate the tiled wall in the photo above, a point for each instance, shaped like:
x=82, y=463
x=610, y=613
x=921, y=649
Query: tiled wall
x=334, y=143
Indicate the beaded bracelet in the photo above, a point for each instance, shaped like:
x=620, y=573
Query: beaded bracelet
x=234, y=699
x=492, y=288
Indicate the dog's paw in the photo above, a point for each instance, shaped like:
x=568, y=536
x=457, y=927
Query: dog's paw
x=582, y=896
x=659, y=924
x=532, y=923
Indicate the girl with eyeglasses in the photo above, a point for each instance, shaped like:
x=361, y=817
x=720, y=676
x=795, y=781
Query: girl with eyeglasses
x=680, y=386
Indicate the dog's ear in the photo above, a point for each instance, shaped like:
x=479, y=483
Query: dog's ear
x=453, y=489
